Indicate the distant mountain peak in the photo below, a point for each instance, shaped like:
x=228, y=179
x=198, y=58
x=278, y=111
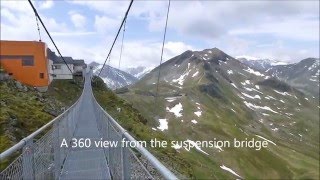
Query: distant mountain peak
x=246, y=57
x=94, y=64
x=213, y=55
x=214, y=51
x=113, y=77
x=138, y=71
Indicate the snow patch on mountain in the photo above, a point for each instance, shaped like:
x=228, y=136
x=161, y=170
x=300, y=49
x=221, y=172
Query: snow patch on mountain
x=198, y=113
x=251, y=97
x=257, y=73
x=195, y=74
x=253, y=107
x=171, y=99
x=194, y=144
x=266, y=139
x=138, y=71
x=163, y=124
x=230, y=72
x=176, y=110
x=181, y=79
x=230, y=170
x=283, y=93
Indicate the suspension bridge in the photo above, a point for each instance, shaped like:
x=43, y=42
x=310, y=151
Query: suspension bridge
x=42, y=156
x=45, y=158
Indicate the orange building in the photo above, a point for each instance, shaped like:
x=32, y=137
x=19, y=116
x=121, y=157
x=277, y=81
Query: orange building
x=26, y=61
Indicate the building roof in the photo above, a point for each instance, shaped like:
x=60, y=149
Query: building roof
x=78, y=62
x=58, y=60
x=51, y=55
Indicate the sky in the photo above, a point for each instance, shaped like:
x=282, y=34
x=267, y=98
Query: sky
x=279, y=30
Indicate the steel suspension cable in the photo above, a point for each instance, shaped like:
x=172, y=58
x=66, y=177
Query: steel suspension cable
x=35, y=11
x=161, y=59
x=115, y=39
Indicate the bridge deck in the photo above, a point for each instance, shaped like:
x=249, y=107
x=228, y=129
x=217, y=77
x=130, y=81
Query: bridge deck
x=86, y=163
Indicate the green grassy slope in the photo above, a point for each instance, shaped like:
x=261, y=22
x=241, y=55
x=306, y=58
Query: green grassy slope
x=289, y=159
x=227, y=113
x=25, y=110
x=186, y=164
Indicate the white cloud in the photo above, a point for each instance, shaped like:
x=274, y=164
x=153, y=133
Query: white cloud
x=6, y=13
x=175, y=48
x=17, y=23
x=104, y=24
x=136, y=53
x=300, y=28
x=219, y=24
x=212, y=19
x=73, y=33
x=46, y=4
x=113, y=8
x=78, y=20
x=18, y=6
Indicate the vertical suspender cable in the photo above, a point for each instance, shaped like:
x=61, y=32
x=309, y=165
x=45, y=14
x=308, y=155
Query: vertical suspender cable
x=38, y=28
x=163, y=41
x=115, y=39
x=124, y=30
x=35, y=11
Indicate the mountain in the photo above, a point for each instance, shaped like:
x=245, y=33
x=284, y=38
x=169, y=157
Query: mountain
x=138, y=71
x=113, y=77
x=208, y=95
x=259, y=64
x=303, y=75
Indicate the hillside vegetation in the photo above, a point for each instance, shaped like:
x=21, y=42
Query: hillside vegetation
x=24, y=109
x=208, y=94
x=131, y=119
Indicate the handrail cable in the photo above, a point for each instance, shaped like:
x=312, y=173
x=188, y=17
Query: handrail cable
x=115, y=39
x=35, y=11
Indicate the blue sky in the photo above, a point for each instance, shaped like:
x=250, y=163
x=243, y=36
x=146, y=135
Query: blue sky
x=286, y=30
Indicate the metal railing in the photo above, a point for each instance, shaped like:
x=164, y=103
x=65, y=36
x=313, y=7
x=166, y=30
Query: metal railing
x=43, y=158
x=126, y=162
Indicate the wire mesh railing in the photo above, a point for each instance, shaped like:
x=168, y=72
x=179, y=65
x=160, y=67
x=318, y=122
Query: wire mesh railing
x=126, y=162
x=42, y=158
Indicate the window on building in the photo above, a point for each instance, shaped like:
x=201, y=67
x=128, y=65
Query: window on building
x=27, y=61
x=41, y=75
x=10, y=74
x=56, y=67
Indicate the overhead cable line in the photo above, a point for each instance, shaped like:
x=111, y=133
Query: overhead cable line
x=115, y=39
x=161, y=59
x=36, y=13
